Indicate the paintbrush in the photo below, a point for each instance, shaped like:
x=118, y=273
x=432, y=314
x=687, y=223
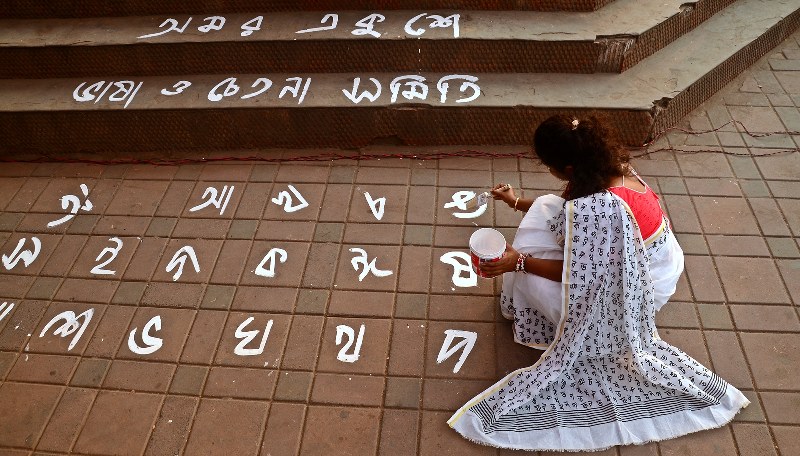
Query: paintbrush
x=481, y=199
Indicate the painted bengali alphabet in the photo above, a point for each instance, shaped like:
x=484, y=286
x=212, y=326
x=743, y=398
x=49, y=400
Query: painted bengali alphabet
x=367, y=267
x=251, y=26
x=214, y=23
x=270, y=258
x=248, y=336
x=73, y=203
x=169, y=25
x=286, y=200
x=266, y=83
x=295, y=90
x=71, y=324
x=151, y=343
x=344, y=330
x=216, y=198
x=123, y=91
x=469, y=83
x=230, y=89
x=112, y=253
x=377, y=206
x=437, y=21
x=177, y=88
x=461, y=263
x=5, y=309
x=26, y=256
x=413, y=27
x=334, y=18
x=415, y=87
x=179, y=259
x=367, y=25
x=371, y=96
x=459, y=202
x=448, y=349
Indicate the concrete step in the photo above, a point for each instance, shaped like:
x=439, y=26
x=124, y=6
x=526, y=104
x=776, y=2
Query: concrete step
x=59, y=116
x=37, y=9
x=610, y=40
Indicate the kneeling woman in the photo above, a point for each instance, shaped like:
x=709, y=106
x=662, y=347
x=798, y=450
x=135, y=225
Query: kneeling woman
x=582, y=281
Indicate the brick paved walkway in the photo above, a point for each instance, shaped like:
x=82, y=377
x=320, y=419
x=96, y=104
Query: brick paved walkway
x=187, y=390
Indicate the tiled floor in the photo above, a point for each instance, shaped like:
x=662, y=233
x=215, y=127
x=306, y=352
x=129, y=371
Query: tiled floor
x=235, y=354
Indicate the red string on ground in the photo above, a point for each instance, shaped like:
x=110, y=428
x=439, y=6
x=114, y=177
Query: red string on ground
x=326, y=157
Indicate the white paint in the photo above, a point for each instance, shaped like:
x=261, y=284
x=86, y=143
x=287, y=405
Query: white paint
x=248, y=336
x=461, y=263
x=367, y=25
x=215, y=198
x=287, y=200
x=266, y=82
x=70, y=325
x=377, y=206
x=27, y=256
x=179, y=259
x=230, y=90
x=459, y=202
x=369, y=267
x=370, y=96
x=112, y=252
x=214, y=23
x=270, y=258
x=126, y=91
x=437, y=22
x=73, y=203
x=151, y=343
x=415, y=87
x=5, y=309
x=86, y=94
x=343, y=356
x=447, y=351
x=469, y=83
x=253, y=25
x=295, y=89
x=177, y=88
x=169, y=25
x=334, y=18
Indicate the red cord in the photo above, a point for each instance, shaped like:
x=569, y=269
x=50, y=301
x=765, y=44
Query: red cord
x=409, y=156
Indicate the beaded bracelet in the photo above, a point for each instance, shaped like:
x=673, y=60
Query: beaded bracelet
x=521, y=263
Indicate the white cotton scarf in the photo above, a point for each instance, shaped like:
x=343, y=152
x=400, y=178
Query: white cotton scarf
x=606, y=378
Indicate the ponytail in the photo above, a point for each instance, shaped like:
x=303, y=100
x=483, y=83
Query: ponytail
x=585, y=145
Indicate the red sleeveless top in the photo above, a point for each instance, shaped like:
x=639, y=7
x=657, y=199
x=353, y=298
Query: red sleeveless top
x=644, y=205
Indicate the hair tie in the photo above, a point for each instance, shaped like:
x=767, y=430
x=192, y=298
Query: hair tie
x=575, y=123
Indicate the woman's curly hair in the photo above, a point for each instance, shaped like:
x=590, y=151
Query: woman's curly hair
x=585, y=144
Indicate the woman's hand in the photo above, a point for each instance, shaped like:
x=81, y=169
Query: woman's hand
x=504, y=193
x=508, y=263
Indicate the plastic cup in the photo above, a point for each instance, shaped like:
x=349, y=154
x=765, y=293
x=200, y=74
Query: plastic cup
x=486, y=245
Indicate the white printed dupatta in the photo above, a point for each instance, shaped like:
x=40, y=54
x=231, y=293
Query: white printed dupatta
x=607, y=378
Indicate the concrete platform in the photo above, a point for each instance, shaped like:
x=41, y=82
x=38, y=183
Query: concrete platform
x=62, y=115
x=34, y=9
x=736, y=309
x=609, y=40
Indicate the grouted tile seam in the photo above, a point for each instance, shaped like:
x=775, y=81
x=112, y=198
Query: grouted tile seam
x=394, y=305
x=771, y=194
x=80, y=429
x=41, y=319
x=735, y=328
x=331, y=287
x=201, y=394
x=426, y=336
x=696, y=214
